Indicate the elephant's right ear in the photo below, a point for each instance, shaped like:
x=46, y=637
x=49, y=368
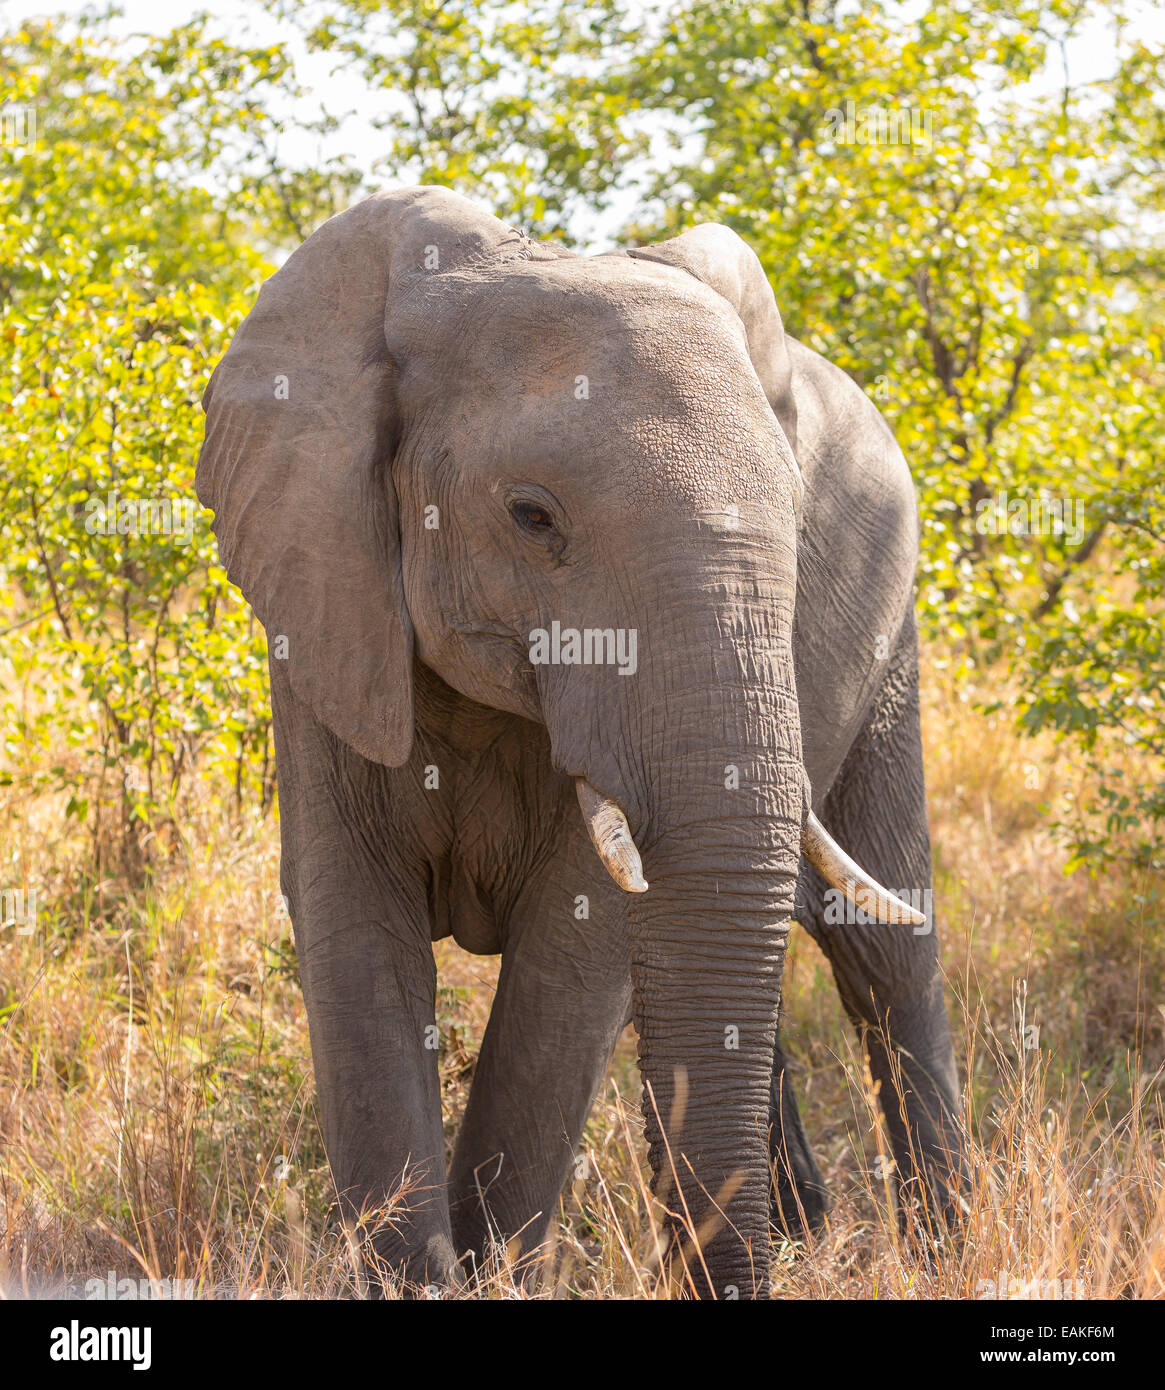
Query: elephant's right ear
x=301, y=428
x=726, y=263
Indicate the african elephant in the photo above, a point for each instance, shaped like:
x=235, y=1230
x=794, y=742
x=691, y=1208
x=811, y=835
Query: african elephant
x=562, y=554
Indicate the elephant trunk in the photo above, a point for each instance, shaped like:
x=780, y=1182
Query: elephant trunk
x=719, y=825
x=704, y=765
x=707, y=960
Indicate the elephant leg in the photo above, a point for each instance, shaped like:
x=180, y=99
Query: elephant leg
x=370, y=998
x=800, y=1200
x=563, y=997
x=365, y=955
x=889, y=977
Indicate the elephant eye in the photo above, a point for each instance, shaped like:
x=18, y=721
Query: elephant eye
x=533, y=518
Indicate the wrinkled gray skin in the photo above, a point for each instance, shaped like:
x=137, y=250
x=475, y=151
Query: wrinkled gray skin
x=432, y=356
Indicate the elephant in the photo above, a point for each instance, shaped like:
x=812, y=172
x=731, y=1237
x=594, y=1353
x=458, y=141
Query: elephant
x=589, y=601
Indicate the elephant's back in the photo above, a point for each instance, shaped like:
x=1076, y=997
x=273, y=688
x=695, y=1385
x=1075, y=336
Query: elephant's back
x=857, y=561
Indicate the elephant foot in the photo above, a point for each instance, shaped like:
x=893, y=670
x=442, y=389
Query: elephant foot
x=800, y=1199
x=799, y=1206
x=932, y=1210
x=426, y=1274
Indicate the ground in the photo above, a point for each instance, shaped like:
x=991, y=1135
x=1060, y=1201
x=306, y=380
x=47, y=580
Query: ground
x=156, y=1097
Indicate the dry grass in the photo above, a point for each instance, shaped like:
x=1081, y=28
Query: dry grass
x=156, y=1100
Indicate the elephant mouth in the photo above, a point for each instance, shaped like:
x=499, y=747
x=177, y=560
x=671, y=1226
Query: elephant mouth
x=614, y=844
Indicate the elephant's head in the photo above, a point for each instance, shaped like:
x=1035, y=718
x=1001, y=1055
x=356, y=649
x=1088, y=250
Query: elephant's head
x=567, y=485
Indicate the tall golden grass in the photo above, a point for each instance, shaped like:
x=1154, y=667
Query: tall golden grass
x=157, y=1112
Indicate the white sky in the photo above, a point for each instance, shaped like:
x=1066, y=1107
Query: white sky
x=1090, y=56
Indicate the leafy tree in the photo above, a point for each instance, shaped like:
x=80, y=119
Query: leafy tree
x=520, y=105
x=121, y=277
x=984, y=260
x=986, y=264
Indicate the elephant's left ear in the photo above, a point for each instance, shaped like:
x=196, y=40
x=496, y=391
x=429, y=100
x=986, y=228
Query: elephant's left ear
x=302, y=426
x=728, y=265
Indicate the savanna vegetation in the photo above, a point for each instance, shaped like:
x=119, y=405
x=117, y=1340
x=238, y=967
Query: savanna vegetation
x=945, y=212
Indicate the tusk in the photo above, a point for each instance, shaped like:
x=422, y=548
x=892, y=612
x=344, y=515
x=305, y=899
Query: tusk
x=840, y=871
x=611, y=837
